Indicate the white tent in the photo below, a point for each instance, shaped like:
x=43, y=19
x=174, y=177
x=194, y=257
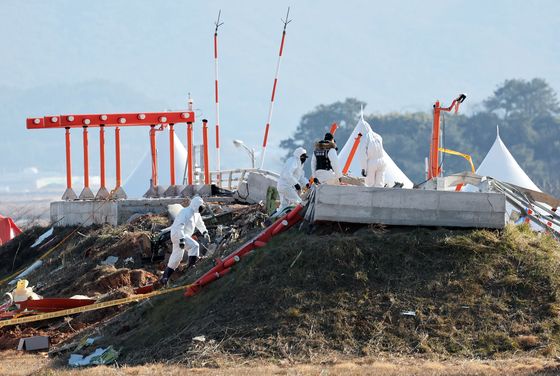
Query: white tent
x=501, y=165
x=138, y=182
x=392, y=172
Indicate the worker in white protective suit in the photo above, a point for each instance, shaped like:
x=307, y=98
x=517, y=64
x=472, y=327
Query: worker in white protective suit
x=372, y=160
x=325, y=168
x=182, y=229
x=292, y=179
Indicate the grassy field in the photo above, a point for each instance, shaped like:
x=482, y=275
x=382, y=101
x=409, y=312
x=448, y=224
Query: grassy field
x=14, y=364
x=392, y=300
x=447, y=293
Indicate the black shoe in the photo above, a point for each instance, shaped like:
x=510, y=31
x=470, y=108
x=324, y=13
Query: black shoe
x=166, y=274
x=192, y=261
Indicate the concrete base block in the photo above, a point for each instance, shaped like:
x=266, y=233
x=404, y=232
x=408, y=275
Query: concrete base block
x=155, y=192
x=188, y=191
x=102, y=194
x=69, y=194
x=86, y=194
x=203, y=190
x=119, y=194
x=114, y=212
x=173, y=191
x=151, y=192
x=410, y=207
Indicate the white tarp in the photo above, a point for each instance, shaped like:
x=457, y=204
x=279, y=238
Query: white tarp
x=392, y=172
x=138, y=182
x=501, y=165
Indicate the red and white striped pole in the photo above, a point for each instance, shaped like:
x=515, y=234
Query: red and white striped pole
x=218, y=166
x=286, y=22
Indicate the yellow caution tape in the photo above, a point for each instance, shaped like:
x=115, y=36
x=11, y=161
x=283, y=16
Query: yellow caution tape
x=453, y=152
x=91, y=307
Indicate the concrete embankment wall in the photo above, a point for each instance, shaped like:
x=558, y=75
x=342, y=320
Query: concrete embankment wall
x=412, y=207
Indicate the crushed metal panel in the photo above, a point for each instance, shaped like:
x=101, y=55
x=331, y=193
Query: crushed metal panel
x=34, y=343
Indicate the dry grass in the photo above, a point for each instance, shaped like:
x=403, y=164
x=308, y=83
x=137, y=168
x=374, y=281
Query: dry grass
x=18, y=364
x=474, y=293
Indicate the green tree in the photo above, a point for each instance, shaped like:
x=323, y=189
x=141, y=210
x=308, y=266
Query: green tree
x=526, y=111
x=316, y=123
x=523, y=99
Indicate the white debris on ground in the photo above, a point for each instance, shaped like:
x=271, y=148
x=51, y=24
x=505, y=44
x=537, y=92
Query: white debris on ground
x=43, y=236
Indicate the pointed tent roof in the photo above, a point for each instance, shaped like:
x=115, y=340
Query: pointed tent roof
x=392, y=172
x=501, y=165
x=138, y=182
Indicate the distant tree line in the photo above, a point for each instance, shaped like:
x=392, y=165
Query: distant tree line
x=527, y=112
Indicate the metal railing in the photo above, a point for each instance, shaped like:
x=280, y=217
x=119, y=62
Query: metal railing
x=231, y=179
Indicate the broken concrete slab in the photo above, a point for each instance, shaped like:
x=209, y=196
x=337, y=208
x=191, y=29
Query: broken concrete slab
x=410, y=207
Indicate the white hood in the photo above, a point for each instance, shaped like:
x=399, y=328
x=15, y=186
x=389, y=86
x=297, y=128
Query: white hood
x=392, y=172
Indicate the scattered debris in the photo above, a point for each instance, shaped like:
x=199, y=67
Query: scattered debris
x=199, y=339
x=22, y=292
x=37, y=264
x=41, y=238
x=110, y=260
x=99, y=356
x=85, y=342
x=408, y=313
x=293, y=262
x=34, y=343
x=134, y=217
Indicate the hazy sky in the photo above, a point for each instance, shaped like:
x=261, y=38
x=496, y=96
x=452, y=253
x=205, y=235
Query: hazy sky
x=396, y=56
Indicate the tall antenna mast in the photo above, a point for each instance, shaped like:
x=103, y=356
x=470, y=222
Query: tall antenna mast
x=218, y=167
x=286, y=22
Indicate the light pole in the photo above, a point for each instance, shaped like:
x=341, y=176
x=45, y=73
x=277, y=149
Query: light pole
x=241, y=144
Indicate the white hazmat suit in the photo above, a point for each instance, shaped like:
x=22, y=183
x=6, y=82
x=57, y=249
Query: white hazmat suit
x=291, y=174
x=372, y=160
x=183, y=227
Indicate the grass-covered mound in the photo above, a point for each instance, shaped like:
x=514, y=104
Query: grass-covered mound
x=446, y=292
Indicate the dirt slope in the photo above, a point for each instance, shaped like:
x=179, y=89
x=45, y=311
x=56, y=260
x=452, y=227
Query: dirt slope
x=354, y=292
x=468, y=293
